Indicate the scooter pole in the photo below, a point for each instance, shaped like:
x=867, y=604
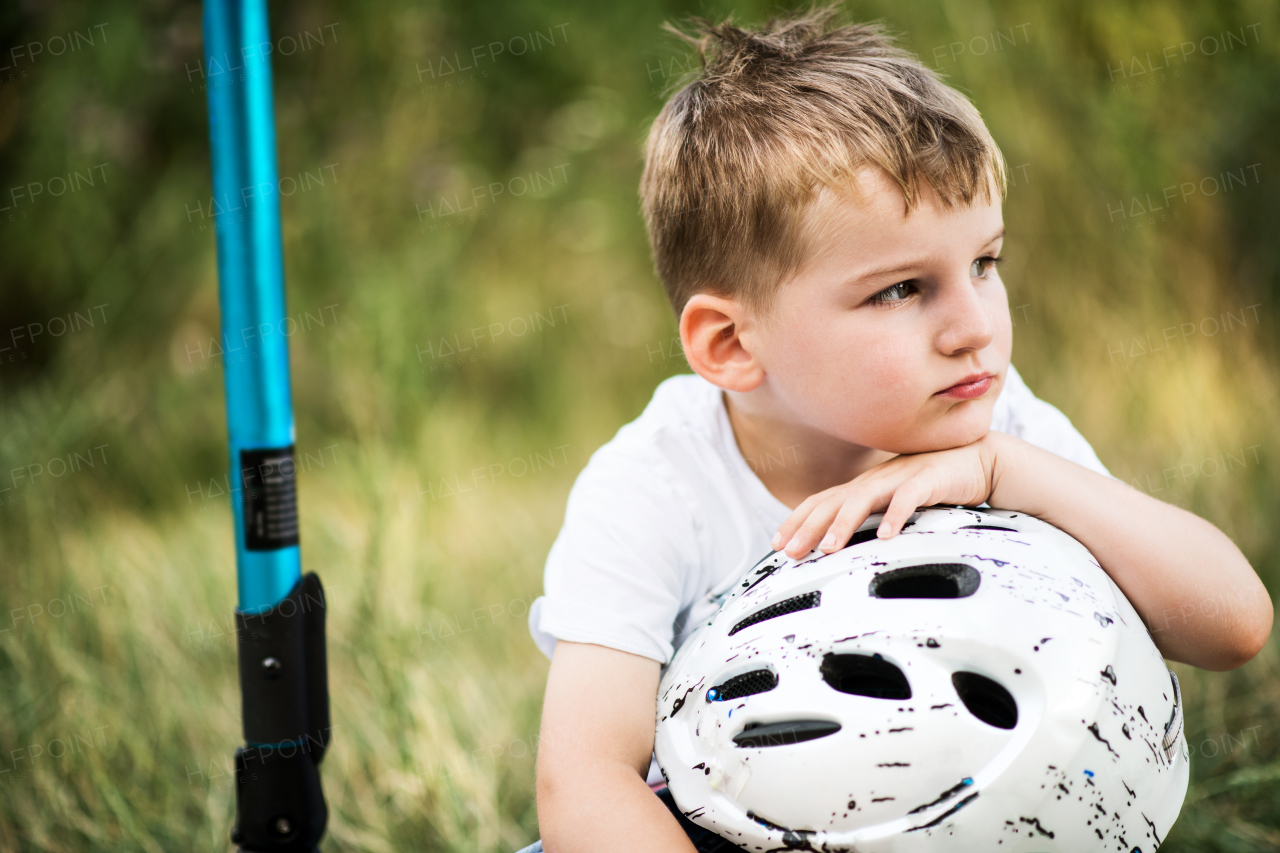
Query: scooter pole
x=280, y=613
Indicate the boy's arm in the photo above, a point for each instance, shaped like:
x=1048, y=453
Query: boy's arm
x=1198, y=595
x=598, y=720
x=1190, y=584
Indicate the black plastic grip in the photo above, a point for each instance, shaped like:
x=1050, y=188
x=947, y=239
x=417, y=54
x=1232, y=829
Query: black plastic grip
x=279, y=804
x=284, y=687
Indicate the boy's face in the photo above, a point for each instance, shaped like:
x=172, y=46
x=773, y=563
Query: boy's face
x=887, y=313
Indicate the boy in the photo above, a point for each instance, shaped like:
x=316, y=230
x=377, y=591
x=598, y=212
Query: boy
x=825, y=216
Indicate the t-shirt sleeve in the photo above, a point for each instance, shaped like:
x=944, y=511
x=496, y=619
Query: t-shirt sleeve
x=1033, y=420
x=617, y=572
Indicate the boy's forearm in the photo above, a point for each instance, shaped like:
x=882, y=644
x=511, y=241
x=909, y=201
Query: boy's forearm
x=589, y=810
x=1196, y=592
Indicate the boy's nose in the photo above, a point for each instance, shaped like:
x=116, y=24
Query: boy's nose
x=965, y=320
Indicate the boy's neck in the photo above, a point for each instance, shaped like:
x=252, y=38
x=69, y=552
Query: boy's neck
x=810, y=461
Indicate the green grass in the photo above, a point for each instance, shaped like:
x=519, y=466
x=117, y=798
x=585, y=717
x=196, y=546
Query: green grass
x=436, y=732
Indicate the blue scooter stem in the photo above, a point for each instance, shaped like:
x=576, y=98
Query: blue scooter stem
x=246, y=205
x=280, y=619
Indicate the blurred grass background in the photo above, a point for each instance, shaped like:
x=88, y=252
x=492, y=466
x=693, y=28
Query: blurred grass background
x=432, y=484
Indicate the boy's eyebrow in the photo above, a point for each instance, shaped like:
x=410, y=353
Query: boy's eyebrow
x=886, y=271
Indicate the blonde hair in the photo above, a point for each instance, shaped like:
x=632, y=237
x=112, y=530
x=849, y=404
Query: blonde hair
x=736, y=155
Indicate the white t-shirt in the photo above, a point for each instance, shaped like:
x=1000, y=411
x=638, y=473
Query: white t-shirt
x=668, y=515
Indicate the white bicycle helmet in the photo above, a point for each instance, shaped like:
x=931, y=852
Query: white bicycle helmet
x=978, y=682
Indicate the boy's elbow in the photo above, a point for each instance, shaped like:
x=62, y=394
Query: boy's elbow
x=1254, y=640
x=578, y=802
x=1250, y=639
x=550, y=796
x=1254, y=614
x=550, y=786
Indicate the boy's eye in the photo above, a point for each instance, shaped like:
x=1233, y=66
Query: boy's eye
x=983, y=265
x=893, y=293
x=900, y=291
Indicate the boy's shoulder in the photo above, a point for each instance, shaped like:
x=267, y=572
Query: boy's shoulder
x=684, y=401
x=682, y=414
x=643, y=522
x=1020, y=413
x=675, y=472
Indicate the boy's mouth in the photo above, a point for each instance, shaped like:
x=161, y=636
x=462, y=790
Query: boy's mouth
x=974, y=385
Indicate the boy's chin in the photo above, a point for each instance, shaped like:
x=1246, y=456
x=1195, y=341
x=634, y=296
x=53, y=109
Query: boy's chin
x=945, y=436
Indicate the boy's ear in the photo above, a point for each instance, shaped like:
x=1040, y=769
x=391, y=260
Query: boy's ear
x=711, y=332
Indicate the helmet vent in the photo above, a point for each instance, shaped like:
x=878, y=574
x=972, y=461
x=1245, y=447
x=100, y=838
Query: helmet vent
x=784, y=733
x=863, y=536
x=987, y=527
x=986, y=699
x=928, y=580
x=746, y=684
x=780, y=608
x=865, y=675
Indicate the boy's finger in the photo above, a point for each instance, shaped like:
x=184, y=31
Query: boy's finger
x=909, y=497
x=788, y=529
x=854, y=504
x=849, y=519
x=793, y=522
x=812, y=518
x=805, y=538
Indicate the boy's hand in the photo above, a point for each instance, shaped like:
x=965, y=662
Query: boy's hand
x=1196, y=593
x=959, y=476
